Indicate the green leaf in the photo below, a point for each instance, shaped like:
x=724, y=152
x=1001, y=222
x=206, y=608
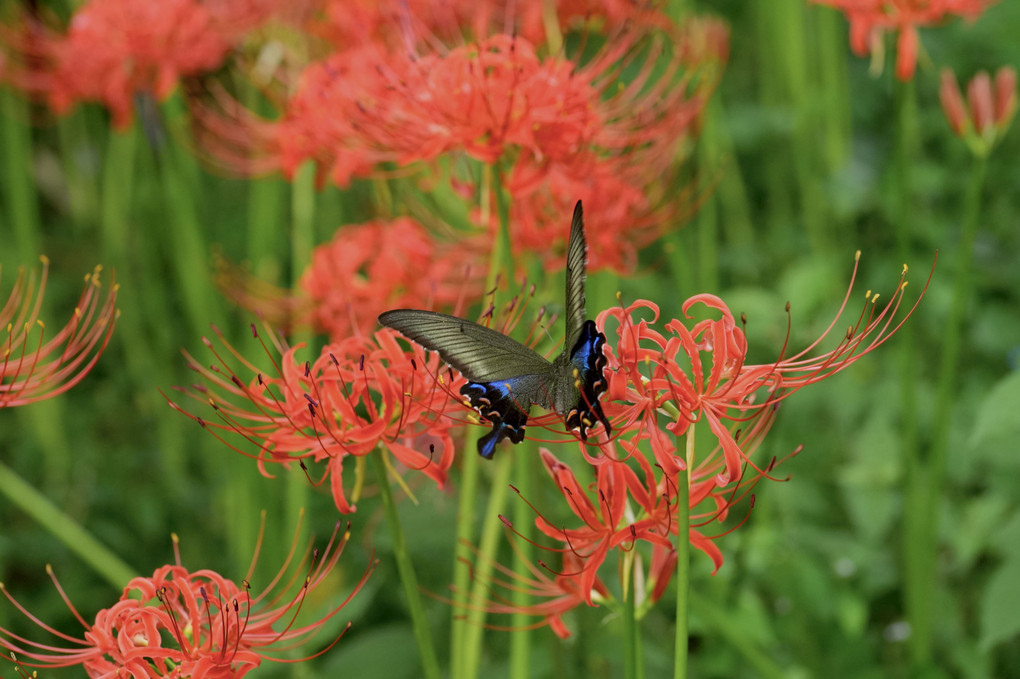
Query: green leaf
x=999, y=604
x=997, y=427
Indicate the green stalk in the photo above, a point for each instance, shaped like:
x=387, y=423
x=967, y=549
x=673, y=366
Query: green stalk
x=633, y=667
x=64, y=528
x=186, y=242
x=683, y=560
x=916, y=592
x=18, y=189
x=708, y=215
x=419, y=621
x=82, y=191
x=302, y=241
x=488, y=546
x=929, y=490
x=524, y=522
x=469, y=471
x=834, y=112
x=466, y=515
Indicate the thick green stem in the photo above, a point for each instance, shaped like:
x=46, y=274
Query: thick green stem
x=488, y=546
x=464, y=642
x=683, y=559
x=521, y=637
x=632, y=661
x=420, y=623
x=64, y=528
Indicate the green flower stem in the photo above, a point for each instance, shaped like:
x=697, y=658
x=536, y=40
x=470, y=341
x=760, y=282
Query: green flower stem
x=466, y=514
x=59, y=524
x=525, y=455
x=488, y=546
x=420, y=623
x=302, y=242
x=18, y=189
x=708, y=215
x=461, y=650
x=916, y=590
x=632, y=649
x=265, y=205
x=186, y=242
x=683, y=559
x=931, y=481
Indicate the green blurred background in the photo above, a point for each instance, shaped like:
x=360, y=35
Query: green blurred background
x=803, y=139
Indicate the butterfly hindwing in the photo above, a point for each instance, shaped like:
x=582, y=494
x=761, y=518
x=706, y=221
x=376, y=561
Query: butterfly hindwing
x=589, y=362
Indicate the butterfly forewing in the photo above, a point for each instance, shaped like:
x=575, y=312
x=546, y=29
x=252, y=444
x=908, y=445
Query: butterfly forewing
x=577, y=262
x=482, y=354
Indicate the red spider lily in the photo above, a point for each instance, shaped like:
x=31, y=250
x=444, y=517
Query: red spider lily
x=217, y=628
x=625, y=506
x=54, y=364
x=365, y=270
x=870, y=18
x=114, y=49
x=991, y=109
x=495, y=100
x=731, y=390
x=361, y=393
x=662, y=383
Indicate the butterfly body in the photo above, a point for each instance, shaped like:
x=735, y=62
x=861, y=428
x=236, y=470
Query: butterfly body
x=505, y=378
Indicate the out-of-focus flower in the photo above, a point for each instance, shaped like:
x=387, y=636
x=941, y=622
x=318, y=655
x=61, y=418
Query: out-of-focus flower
x=869, y=19
x=409, y=25
x=34, y=366
x=609, y=122
x=991, y=108
x=179, y=623
x=365, y=270
x=115, y=49
x=361, y=394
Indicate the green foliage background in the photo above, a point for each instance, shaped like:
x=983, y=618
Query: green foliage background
x=813, y=582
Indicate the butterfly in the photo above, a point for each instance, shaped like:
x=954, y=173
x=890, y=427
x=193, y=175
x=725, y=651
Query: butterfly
x=505, y=378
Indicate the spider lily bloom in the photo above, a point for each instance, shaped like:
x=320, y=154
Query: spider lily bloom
x=631, y=502
x=179, y=623
x=114, y=49
x=361, y=394
x=869, y=19
x=990, y=111
x=491, y=101
x=35, y=366
x=365, y=270
x=732, y=395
